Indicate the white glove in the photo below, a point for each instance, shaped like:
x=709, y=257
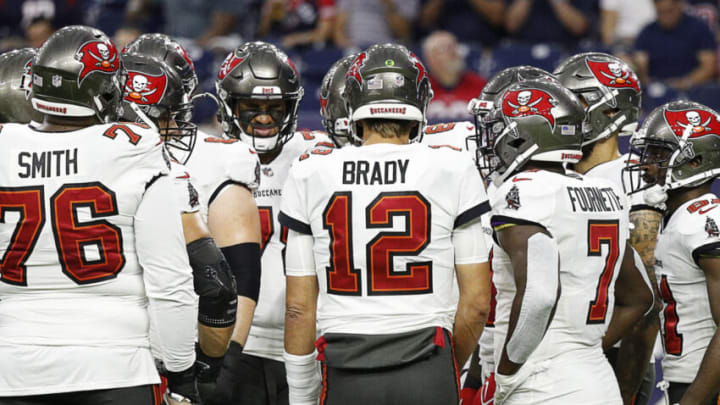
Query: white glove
x=505, y=385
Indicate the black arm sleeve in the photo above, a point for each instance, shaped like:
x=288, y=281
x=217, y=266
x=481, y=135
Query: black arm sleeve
x=244, y=260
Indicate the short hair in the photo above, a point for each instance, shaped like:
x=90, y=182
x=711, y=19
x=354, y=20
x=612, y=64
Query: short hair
x=389, y=128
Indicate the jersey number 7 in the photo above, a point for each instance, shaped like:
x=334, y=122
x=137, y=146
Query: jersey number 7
x=382, y=277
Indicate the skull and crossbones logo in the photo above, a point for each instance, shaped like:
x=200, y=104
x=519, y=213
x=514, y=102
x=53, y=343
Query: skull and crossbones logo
x=139, y=89
x=695, y=123
x=618, y=74
x=104, y=60
x=524, y=104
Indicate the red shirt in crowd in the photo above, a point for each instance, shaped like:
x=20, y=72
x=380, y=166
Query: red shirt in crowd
x=451, y=104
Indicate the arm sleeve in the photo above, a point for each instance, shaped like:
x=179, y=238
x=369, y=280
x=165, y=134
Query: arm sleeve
x=167, y=275
x=473, y=201
x=293, y=213
x=470, y=244
x=299, y=257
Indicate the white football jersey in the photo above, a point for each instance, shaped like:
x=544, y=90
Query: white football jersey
x=73, y=306
x=216, y=162
x=587, y=219
x=459, y=135
x=382, y=217
x=266, y=333
x=613, y=171
x=187, y=194
x=687, y=323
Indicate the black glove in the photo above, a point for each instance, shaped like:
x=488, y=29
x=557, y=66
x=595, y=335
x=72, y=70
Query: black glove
x=182, y=384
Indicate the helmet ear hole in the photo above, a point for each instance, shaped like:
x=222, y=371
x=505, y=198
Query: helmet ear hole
x=516, y=143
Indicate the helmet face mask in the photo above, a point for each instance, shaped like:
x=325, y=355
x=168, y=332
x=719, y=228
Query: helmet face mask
x=678, y=147
x=609, y=89
x=251, y=80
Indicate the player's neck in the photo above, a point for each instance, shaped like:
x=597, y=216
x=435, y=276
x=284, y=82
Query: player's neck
x=266, y=158
x=602, y=151
x=676, y=198
x=372, y=137
x=60, y=124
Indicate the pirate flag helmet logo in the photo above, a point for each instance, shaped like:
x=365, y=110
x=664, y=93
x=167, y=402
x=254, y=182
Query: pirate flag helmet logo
x=231, y=62
x=145, y=89
x=613, y=74
x=354, y=70
x=97, y=56
x=698, y=122
x=529, y=102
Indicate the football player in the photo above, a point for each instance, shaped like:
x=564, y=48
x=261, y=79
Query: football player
x=154, y=93
x=259, y=92
x=94, y=249
x=378, y=234
x=332, y=104
x=457, y=134
x=679, y=148
x=553, y=299
x=226, y=172
x=15, y=77
x=611, y=92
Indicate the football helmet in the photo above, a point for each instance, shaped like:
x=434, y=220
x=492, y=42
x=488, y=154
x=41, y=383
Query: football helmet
x=332, y=105
x=387, y=82
x=154, y=91
x=497, y=85
x=78, y=73
x=491, y=95
x=258, y=71
x=537, y=120
x=610, y=90
x=15, y=83
x=166, y=49
x=678, y=145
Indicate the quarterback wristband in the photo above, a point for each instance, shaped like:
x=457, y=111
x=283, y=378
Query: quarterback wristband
x=244, y=260
x=303, y=378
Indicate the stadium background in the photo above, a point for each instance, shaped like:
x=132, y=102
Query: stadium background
x=307, y=31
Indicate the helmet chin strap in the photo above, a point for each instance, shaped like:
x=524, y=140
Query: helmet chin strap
x=260, y=144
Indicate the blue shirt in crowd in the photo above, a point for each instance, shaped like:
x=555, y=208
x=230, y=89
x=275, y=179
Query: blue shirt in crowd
x=673, y=53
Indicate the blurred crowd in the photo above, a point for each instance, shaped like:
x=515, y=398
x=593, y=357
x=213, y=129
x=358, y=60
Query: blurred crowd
x=672, y=44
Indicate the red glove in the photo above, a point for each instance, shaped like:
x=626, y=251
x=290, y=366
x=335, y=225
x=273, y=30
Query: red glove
x=467, y=395
x=486, y=394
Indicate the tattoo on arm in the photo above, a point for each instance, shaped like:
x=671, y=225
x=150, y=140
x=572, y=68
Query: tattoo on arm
x=644, y=237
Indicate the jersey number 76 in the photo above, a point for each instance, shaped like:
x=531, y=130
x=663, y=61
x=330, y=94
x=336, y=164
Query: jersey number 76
x=71, y=236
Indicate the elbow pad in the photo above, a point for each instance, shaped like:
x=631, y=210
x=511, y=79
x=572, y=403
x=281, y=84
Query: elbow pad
x=214, y=284
x=539, y=299
x=244, y=260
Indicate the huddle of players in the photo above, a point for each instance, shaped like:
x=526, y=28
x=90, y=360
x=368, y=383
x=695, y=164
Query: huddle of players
x=556, y=232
